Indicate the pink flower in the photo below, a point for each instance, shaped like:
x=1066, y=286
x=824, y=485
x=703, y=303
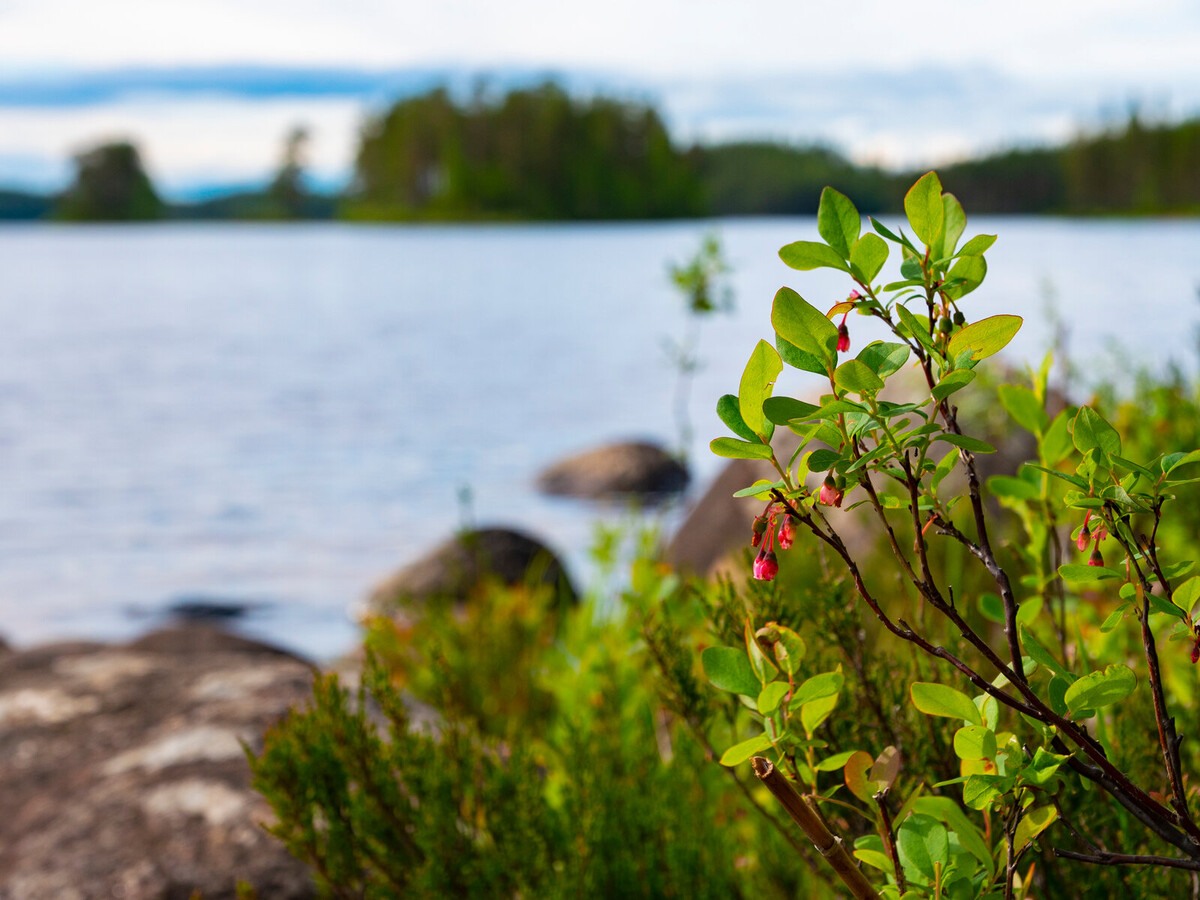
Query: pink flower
x=830, y=495
x=1084, y=534
x=1196, y=652
x=760, y=528
x=787, y=532
x=843, y=343
x=766, y=566
x=1096, y=559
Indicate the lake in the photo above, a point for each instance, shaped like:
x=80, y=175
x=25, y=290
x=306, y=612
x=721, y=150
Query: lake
x=283, y=415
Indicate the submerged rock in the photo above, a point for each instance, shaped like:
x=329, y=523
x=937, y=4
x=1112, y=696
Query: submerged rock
x=634, y=469
x=123, y=774
x=454, y=570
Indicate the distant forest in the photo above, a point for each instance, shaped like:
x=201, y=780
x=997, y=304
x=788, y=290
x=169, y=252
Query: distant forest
x=541, y=154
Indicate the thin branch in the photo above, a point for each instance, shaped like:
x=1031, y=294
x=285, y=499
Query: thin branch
x=810, y=823
x=1128, y=859
x=889, y=839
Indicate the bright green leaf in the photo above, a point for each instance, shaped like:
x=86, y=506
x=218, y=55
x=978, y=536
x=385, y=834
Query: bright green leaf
x=985, y=337
x=1092, y=431
x=858, y=378
x=883, y=359
x=941, y=700
x=758, y=380
x=921, y=842
x=789, y=650
x=838, y=222
x=975, y=742
x=1022, y=404
x=770, y=696
x=974, y=445
x=782, y=410
x=739, y=753
x=954, y=222
x=953, y=381
x=800, y=323
x=835, y=762
x=813, y=713
x=806, y=255
x=729, y=670
x=827, y=684
x=732, y=448
x=1097, y=689
x=868, y=255
x=965, y=275
x=923, y=206
x=1076, y=572
x=1032, y=824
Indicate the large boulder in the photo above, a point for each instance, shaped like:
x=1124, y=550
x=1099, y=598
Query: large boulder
x=456, y=569
x=628, y=470
x=123, y=773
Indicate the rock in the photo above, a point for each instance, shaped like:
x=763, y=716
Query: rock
x=634, y=469
x=123, y=774
x=454, y=570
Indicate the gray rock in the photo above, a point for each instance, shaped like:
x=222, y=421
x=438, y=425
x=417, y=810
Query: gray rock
x=633, y=469
x=454, y=570
x=122, y=770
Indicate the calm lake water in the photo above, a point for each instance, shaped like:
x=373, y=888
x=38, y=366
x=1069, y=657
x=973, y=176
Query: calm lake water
x=283, y=415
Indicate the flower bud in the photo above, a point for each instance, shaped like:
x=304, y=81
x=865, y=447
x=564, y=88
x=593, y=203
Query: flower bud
x=1196, y=652
x=766, y=566
x=1096, y=559
x=787, y=532
x=945, y=326
x=1084, y=538
x=760, y=528
x=830, y=494
x=843, y=343
x=959, y=318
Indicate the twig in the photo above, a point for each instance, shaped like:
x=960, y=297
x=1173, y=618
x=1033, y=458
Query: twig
x=810, y=823
x=1128, y=859
x=889, y=839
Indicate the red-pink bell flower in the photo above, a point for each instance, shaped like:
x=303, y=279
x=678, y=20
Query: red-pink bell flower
x=1085, y=534
x=766, y=566
x=1196, y=652
x=830, y=495
x=1096, y=559
x=787, y=532
x=843, y=343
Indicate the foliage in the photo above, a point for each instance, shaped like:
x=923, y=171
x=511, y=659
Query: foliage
x=420, y=785
x=1040, y=740
x=111, y=186
x=531, y=154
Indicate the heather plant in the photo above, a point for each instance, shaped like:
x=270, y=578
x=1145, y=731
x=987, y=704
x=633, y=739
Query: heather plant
x=1041, y=604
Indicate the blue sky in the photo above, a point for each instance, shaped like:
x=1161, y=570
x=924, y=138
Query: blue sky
x=209, y=89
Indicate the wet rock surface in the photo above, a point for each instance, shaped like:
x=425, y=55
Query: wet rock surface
x=454, y=570
x=617, y=471
x=122, y=771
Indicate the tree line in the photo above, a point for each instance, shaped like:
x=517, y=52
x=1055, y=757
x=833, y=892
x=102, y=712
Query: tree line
x=543, y=154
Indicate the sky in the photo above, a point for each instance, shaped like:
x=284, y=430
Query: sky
x=209, y=90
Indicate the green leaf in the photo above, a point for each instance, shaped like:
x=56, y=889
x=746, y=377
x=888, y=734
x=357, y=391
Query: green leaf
x=980, y=790
x=992, y=608
x=762, y=667
x=806, y=255
x=915, y=326
x=883, y=359
x=758, y=380
x=789, y=649
x=827, y=684
x=941, y=700
x=770, y=697
x=954, y=223
x=984, y=338
x=974, y=445
x=975, y=742
x=947, y=810
x=835, y=762
x=911, y=269
x=728, y=669
x=977, y=245
x=838, y=222
x=761, y=489
x=1187, y=593
x=953, y=381
x=892, y=236
x=868, y=255
x=1076, y=572
x=1032, y=824
x=732, y=448
x=875, y=859
x=782, y=410
x=800, y=323
x=739, y=753
x=1056, y=442
x=1098, y=689
x=921, y=841
x=799, y=359
x=822, y=460
x=1162, y=605
x=1022, y=404
x=1041, y=655
x=1114, y=618
x=731, y=415
x=1093, y=431
x=857, y=377
x=813, y=713
x=923, y=206
x=966, y=275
